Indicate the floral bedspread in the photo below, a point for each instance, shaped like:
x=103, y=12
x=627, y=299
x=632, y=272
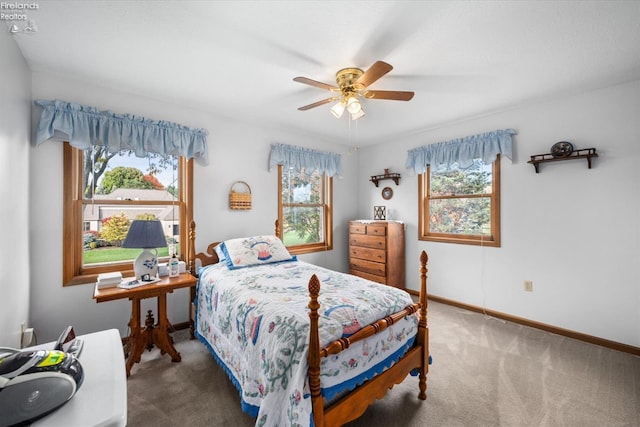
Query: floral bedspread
x=255, y=322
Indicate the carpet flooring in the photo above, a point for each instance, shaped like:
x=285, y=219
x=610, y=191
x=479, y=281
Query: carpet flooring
x=485, y=373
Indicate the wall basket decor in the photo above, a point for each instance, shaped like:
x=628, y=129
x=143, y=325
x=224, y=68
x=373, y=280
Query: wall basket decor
x=240, y=200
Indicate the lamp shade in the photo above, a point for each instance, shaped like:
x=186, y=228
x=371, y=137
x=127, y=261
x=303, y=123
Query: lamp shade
x=145, y=234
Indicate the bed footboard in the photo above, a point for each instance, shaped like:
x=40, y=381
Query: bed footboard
x=355, y=403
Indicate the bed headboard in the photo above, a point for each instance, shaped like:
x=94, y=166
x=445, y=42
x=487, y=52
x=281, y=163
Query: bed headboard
x=200, y=259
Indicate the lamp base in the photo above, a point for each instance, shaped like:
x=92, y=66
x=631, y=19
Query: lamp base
x=145, y=266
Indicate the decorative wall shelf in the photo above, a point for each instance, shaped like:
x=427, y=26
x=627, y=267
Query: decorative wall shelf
x=585, y=153
x=394, y=176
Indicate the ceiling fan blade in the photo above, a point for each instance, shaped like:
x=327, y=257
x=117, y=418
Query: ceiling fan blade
x=317, y=104
x=377, y=70
x=316, y=84
x=389, y=94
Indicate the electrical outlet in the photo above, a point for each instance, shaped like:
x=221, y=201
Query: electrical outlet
x=27, y=337
x=528, y=286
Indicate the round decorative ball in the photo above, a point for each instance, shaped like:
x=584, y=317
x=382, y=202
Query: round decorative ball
x=561, y=149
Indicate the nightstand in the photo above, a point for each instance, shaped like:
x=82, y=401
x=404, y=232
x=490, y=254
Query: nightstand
x=151, y=334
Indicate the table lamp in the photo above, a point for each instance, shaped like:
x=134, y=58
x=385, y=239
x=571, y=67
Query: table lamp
x=145, y=234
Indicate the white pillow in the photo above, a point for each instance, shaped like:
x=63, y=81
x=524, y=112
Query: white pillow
x=255, y=250
x=220, y=252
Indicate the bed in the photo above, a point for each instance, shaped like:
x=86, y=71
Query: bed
x=305, y=345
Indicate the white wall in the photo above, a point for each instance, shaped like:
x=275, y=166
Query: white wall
x=573, y=231
x=237, y=151
x=15, y=117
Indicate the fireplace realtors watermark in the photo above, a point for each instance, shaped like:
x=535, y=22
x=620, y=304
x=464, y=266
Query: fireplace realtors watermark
x=10, y=11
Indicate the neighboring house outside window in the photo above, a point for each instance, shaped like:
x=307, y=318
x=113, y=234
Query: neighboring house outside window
x=104, y=192
x=461, y=206
x=305, y=210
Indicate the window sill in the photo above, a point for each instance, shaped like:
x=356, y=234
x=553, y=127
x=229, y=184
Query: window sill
x=306, y=249
x=462, y=240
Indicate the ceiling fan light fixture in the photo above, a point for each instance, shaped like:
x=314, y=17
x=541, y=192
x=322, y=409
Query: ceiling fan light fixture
x=359, y=114
x=353, y=105
x=338, y=109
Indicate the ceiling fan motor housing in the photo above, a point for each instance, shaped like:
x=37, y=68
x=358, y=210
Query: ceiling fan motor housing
x=346, y=79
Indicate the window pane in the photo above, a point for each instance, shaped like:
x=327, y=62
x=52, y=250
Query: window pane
x=122, y=178
x=302, y=225
x=454, y=181
x=109, y=224
x=299, y=187
x=460, y=216
x=113, y=171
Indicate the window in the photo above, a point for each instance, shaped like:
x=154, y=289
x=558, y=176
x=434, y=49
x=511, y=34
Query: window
x=104, y=192
x=461, y=206
x=304, y=210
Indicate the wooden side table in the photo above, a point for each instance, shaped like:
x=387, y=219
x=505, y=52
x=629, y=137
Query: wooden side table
x=152, y=334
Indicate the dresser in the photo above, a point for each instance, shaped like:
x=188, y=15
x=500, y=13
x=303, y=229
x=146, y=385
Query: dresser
x=376, y=251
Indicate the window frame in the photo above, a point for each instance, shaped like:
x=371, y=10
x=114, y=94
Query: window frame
x=73, y=271
x=327, y=195
x=424, y=194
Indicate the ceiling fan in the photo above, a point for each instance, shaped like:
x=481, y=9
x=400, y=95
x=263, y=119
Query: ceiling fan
x=353, y=83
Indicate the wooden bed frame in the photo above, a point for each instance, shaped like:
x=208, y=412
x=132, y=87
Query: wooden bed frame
x=354, y=404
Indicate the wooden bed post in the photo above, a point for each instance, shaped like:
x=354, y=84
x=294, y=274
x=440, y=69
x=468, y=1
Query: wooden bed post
x=191, y=253
x=423, y=327
x=317, y=402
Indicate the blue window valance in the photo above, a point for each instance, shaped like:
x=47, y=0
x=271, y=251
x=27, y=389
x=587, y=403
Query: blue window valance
x=311, y=160
x=85, y=126
x=463, y=151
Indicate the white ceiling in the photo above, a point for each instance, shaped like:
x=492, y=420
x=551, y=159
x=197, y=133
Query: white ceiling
x=238, y=58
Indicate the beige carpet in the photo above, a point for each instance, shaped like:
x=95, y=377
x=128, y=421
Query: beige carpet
x=485, y=372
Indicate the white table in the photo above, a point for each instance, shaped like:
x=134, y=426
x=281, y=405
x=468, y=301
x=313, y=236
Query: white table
x=101, y=400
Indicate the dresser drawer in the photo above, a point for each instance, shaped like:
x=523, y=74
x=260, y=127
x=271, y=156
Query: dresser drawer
x=370, y=229
x=375, y=242
x=377, y=268
x=376, y=230
x=357, y=228
x=377, y=255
